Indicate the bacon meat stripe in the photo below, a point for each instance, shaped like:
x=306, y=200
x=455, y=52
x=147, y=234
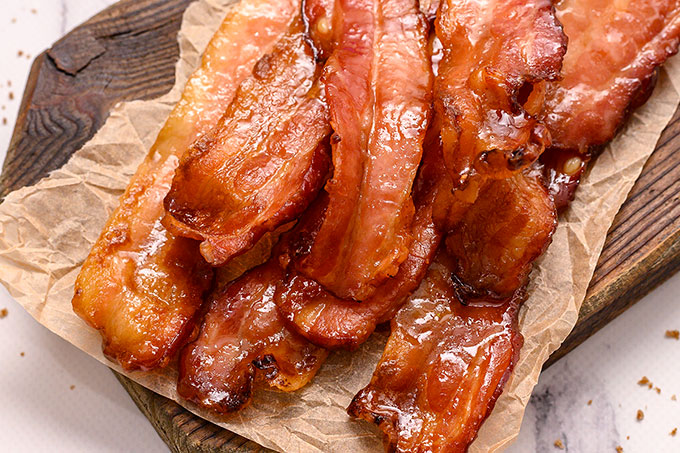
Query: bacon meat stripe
x=378, y=81
x=141, y=285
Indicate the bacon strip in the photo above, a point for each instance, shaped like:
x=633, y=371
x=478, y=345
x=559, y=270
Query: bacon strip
x=610, y=67
x=443, y=368
x=263, y=163
x=335, y=323
x=141, y=285
x=378, y=83
x=602, y=83
x=498, y=54
x=455, y=342
x=243, y=337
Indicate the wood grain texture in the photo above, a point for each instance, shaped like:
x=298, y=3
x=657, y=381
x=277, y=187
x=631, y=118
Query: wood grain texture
x=129, y=52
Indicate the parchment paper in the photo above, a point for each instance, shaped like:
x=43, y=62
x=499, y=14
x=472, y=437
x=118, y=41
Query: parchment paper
x=46, y=232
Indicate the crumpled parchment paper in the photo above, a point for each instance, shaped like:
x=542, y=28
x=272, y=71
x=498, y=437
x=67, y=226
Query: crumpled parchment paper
x=46, y=232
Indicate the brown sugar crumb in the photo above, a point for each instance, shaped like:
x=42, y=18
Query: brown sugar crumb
x=675, y=334
x=619, y=449
x=640, y=415
x=657, y=390
x=22, y=354
x=11, y=96
x=644, y=381
x=3, y=313
x=20, y=53
x=14, y=20
x=627, y=437
x=34, y=11
x=4, y=121
x=590, y=402
x=674, y=398
x=674, y=432
x=559, y=444
x=73, y=387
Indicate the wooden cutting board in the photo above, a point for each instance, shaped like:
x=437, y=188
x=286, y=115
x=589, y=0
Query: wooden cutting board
x=129, y=51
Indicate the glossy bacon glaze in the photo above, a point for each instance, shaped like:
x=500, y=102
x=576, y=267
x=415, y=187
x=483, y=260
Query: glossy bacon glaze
x=443, y=367
x=498, y=54
x=263, y=163
x=614, y=50
x=242, y=338
x=455, y=342
x=141, y=285
x=337, y=323
x=378, y=83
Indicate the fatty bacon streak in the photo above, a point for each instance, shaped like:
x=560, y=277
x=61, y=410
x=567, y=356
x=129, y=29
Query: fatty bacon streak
x=378, y=82
x=602, y=82
x=141, y=285
x=454, y=344
x=498, y=56
x=263, y=163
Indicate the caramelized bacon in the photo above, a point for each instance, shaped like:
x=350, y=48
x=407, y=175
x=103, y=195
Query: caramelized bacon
x=500, y=236
x=334, y=323
x=614, y=50
x=498, y=55
x=263, y=163
x=243, y=337
x=141, y=285
x=455, y=342
x=443, y=367
x=378, y=83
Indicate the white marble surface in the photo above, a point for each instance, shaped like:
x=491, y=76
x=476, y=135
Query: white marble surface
x=40, y=411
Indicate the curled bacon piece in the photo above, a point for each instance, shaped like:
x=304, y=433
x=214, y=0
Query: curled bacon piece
x=335, y=323
x=243, y=337
x=454, y=344
x=602, y=83
x=141, y=285
x=378, y=82
x=498, y=55
x=263, y=163
x=610, y=67
x=443, y=368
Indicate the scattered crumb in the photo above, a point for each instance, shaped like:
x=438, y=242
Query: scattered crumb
x=22, y=354
x=674, y=398
x=627, y=437
x=34, y=11
x=643, y=381
x=590, y=402
x=72, y=387
x=674, y=432
x=9, y=83
x=675, y=334
x=3, y=313
x=4, y=121
x=14, y=20
x=20, y=53
x=559, y=444
x=640, y=415
x=657, y=390
x=11, y=96
x=619, y=449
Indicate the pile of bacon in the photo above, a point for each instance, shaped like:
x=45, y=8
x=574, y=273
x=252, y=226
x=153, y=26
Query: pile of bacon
x=410, y=158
